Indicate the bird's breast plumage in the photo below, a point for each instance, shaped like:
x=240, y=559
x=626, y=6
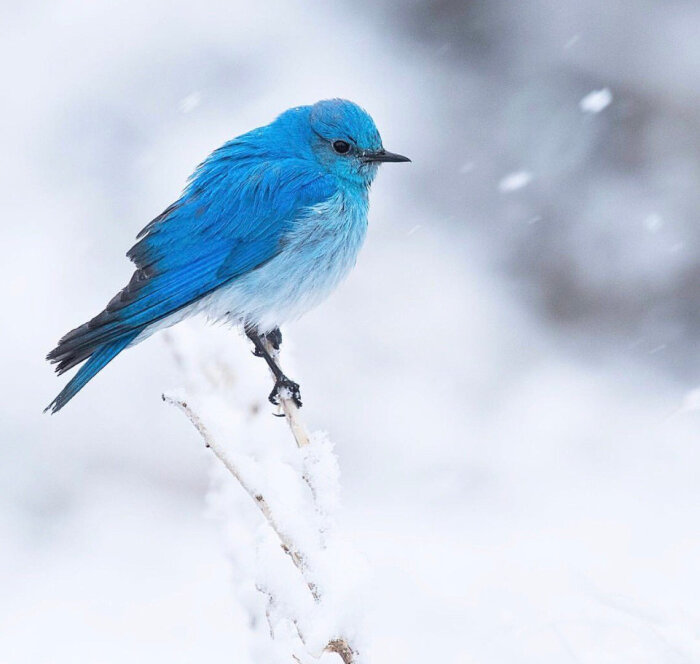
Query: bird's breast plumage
x=314, y=256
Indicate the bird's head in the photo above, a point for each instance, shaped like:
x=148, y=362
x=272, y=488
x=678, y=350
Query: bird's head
x=345, y=140
x=340, y=136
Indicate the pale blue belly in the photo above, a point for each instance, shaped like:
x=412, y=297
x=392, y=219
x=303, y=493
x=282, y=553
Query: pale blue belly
x=316, y=256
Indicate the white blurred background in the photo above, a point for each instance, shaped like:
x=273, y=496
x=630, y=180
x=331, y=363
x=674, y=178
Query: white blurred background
x=508, y=375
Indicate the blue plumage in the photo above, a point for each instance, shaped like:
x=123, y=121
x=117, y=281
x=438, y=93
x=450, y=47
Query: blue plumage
x=266, y=227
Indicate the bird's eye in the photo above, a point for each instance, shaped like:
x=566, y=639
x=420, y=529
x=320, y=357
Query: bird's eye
x=341, y=147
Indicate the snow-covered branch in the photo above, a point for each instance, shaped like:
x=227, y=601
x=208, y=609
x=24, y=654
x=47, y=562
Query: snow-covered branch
x=296, y=496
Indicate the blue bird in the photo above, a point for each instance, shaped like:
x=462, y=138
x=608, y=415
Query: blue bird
x=265, y=229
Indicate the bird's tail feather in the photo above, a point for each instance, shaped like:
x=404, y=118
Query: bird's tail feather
x=98, y=360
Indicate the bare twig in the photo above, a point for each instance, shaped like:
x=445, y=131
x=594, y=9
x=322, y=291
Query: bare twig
x=342, y=648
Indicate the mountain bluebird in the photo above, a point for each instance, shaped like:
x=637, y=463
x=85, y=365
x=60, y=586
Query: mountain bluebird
x=266, y=227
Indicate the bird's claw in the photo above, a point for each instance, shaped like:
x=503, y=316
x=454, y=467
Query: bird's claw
x=289, y=386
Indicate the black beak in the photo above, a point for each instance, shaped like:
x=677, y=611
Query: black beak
x=383, y=155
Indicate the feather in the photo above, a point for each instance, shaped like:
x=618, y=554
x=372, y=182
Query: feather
x=98, y=360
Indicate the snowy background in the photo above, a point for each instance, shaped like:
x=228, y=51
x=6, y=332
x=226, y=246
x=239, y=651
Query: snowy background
x=508, y=376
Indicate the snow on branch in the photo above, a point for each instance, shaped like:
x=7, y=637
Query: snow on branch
x=295, y=491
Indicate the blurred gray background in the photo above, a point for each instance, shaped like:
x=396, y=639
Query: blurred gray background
x=509, y=374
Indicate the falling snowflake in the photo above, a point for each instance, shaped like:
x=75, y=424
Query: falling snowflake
x=515, y=181
x=596, y=101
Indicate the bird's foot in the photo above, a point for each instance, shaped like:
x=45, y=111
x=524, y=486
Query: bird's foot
x=290, y=387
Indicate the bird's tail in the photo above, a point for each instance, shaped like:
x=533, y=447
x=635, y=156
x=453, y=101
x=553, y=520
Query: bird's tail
x=97, y=360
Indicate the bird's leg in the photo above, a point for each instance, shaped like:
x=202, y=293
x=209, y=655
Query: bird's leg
x=281, y=381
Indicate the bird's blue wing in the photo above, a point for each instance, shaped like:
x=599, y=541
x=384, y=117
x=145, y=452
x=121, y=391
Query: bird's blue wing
x=231, y=219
